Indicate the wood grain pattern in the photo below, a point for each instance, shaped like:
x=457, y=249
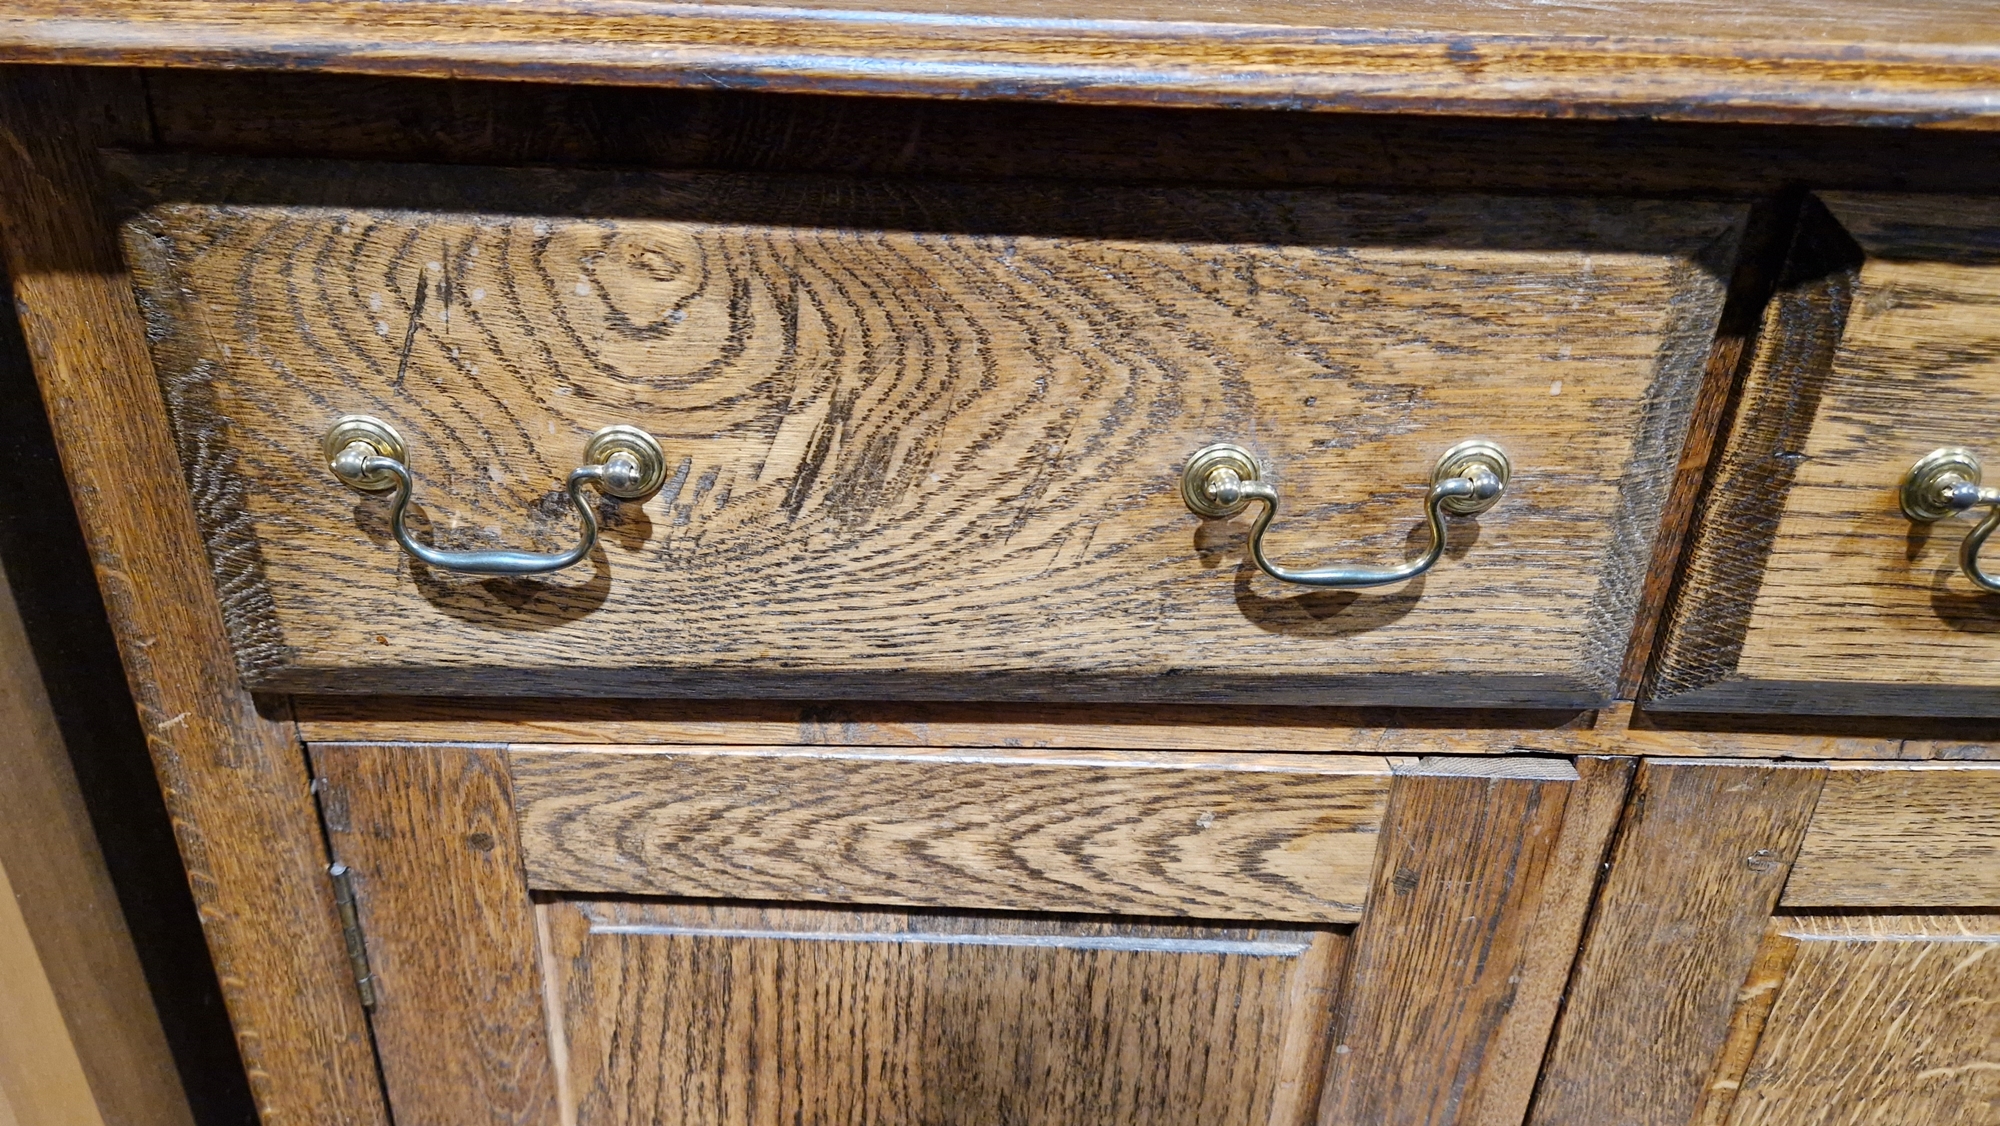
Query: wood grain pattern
x=1269, y=837
x=428, y=834
x=1888, y=62
x=1591, y=812
x=729, y=1015
x=233, y=777
x=1439, y=958
x=1698, y=866
x=1618, y=729
x=80, y=1041
x=970, y=493
x=1746, y=1023
x=1808, y=589
x=1882, y=1019
x=1902, y=836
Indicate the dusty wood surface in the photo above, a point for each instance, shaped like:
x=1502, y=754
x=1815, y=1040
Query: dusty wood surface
x=1902, y=836
x=280, y=113
x=429, y=836
x=1882, y=1018
x=1808, y=590
x=970, y=493
x=234, y=778
x=1696, y=870
x=1885, y=62
x=1440, y=957
x=81, y=1042
x=1164, y=727
x=1270, y=837
x=732, y=1015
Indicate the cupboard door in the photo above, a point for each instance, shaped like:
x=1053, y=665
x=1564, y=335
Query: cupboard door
x=764, y=934
x=1790, y=944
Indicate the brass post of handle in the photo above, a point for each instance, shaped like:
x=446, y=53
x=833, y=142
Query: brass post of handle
x=1945, y=482
x=1222, y=479
x=369, y=456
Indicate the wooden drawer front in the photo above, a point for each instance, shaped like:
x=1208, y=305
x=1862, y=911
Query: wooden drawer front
x=1808, y=590
x=619, y=935
x=922, y=439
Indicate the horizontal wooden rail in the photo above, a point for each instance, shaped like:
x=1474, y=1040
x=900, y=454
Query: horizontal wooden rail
x=1272, y=837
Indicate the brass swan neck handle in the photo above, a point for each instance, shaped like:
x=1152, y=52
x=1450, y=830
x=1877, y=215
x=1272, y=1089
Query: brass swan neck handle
x=369, y=456
x=1946, y=482
x=1220, y=480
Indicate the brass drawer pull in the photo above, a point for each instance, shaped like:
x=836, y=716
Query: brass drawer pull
x=1220, y=480
x=1945, y=482
x=368, y=455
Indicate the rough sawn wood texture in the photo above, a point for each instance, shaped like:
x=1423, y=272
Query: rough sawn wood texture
x=924, y=439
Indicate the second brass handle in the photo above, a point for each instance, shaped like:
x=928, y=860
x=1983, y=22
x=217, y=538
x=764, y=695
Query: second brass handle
x=621, y=461
x=1945, y=482
x=1220, y=480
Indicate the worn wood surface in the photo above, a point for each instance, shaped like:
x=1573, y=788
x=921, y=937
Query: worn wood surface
x=1746, y=1023
x=1697, y=868
x=428, y=834
x=1590, y=816
x=974, y=493
x=1883, y=1018
x=290, y=113
x=1894, y=62
x=1427, y=1006
x=1808, y=590
x=1902, y=836
x=1272, y=837
x=727, y=1015
x=1618, y=729
x=233, y=776
x=80, y=1041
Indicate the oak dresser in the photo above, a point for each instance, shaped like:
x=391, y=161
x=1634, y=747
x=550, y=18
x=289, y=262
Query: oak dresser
x=943, y=564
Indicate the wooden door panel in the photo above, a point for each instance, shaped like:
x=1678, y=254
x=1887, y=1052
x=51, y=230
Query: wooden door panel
x=924, y=439
x=1877, y=1019
x=731, y=1015
x=1693, y=1003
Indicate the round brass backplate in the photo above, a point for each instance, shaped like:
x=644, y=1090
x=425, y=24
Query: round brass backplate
x=1919, y=492
x=643, y=449
x=1206, y=462
x=1458, y=461
x=376, y=435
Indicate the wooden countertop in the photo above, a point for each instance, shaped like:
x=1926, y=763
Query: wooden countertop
x=1870, y=62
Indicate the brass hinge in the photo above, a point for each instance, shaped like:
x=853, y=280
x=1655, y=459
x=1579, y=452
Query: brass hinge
x=350, y=932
